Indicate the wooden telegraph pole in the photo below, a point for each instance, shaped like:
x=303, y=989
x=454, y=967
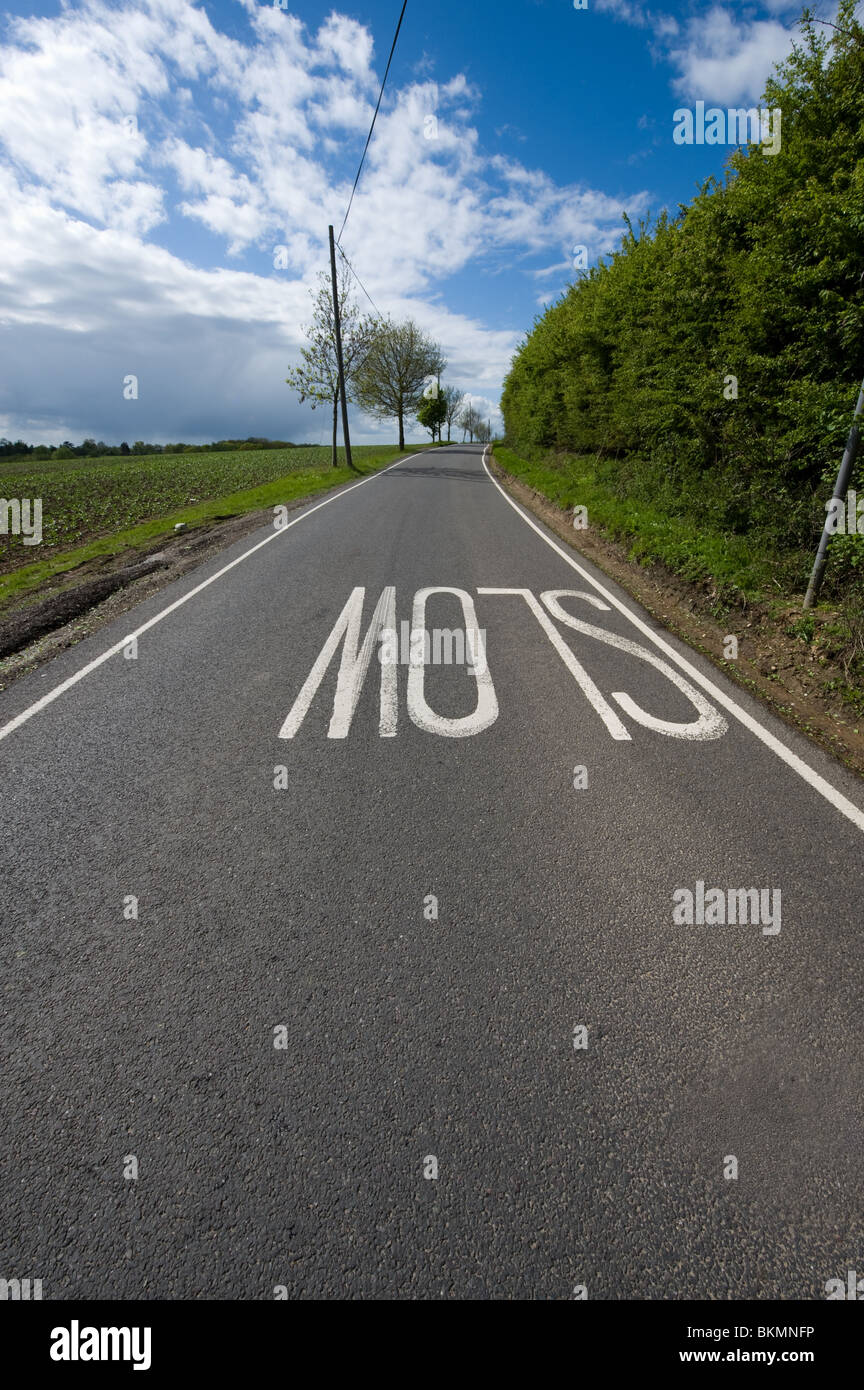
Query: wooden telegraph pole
x=339, y=361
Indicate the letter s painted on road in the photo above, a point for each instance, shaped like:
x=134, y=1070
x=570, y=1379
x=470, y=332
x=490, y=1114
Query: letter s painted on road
x=710, y=723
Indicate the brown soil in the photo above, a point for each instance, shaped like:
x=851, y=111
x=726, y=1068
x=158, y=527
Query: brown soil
x=790, y=674
x=81, y=601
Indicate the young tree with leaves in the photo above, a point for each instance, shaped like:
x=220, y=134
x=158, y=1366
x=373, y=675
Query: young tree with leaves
x=432, y=412
x=397, y=365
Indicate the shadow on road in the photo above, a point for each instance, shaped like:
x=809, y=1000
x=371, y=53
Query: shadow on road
x=437, y=472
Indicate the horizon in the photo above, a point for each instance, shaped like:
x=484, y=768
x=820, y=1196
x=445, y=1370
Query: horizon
x=170, y=169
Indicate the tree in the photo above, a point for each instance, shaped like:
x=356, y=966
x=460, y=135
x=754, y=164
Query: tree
x=390, y=379
x=470, y=422
x=317, y=377
x=453, y=400
x=432, y=412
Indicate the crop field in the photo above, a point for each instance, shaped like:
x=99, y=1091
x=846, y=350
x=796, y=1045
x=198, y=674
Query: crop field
x=83, y=499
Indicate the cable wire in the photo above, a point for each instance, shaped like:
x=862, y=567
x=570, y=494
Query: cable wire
x=360, y=282
x=372, y=126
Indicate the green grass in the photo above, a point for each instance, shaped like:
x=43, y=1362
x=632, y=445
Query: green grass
x=731, y=563
x=85, y=498
x=131, y=492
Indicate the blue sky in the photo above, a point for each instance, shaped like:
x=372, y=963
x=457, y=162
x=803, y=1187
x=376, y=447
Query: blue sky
x=154, y=154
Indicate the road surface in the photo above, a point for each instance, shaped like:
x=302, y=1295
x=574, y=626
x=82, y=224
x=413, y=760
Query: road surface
x=436, y=926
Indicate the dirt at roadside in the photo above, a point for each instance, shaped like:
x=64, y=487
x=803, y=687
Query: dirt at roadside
x=73, y=605
x=794, y=677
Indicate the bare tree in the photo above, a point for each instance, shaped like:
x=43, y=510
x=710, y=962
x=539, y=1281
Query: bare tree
x=470, y=421
x=317, y=377
x=399, y=361
x=453, y=399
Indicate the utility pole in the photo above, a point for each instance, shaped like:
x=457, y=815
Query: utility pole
x=339, y=361
x=841, y=487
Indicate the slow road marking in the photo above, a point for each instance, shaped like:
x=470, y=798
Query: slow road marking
x=356, y=660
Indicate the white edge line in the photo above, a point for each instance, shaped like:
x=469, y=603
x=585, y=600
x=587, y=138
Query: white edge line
x=818, y=783
x=59, y=690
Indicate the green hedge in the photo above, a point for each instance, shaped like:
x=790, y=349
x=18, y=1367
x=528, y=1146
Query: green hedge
x=759, y=278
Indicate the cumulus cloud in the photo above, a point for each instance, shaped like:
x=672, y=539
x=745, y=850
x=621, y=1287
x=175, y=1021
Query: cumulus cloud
x=728, y=60
x=723, y=54
x=140, y=148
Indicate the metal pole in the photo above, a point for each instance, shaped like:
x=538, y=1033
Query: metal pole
x=339, y=350
x=841, y=487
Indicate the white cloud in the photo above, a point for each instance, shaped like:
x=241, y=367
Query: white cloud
x=536, y=213
x=121, y=123
x=722, y=55
x=546, y=270
x=625, y=10
x=725, y=60
x=346, y=44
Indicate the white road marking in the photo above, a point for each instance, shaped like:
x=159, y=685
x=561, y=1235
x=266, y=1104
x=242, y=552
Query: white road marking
x=357, y=657
x=709, y=725
x=807, y=773
x=352, y=669
x=578, y=672
x=98, y=661
x=486, y=710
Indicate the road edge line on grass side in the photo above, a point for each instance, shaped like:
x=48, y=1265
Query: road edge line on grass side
x=808, y=774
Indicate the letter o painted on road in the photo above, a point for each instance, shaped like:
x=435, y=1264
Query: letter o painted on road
x=486, y=709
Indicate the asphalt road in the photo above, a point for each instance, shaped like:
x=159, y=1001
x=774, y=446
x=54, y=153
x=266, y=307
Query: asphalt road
x=286, y=1036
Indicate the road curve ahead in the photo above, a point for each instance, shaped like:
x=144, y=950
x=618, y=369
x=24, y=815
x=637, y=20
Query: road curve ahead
x=329, y=972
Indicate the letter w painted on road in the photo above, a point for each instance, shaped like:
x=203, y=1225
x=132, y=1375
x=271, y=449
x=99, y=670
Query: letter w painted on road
x=352, y=670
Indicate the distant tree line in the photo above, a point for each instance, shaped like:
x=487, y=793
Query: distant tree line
x=97, y=448
x=392, y=369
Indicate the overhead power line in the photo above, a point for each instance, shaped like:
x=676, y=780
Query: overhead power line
x=360, y=282
x=372, y=126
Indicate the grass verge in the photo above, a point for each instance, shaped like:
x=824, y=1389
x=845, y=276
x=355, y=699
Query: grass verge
x=728, y=564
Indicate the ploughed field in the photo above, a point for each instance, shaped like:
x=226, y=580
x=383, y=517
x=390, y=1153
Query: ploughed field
x=85, y=498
